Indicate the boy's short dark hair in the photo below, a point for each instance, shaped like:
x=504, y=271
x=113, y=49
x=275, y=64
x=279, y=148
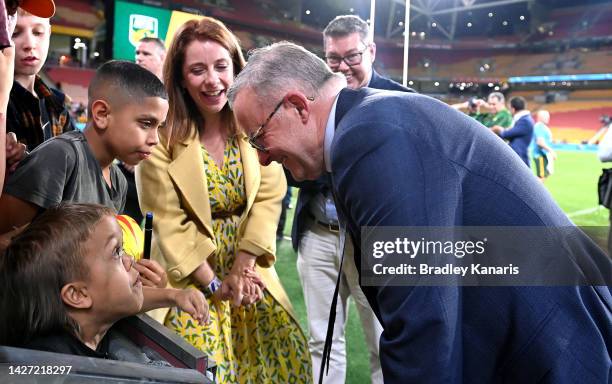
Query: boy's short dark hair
x=124, y=80
x=47, y=255
x=518, y=103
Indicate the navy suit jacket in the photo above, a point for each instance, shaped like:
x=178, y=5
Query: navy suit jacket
x=519, y=136
x=403, y=159
x=309, y=189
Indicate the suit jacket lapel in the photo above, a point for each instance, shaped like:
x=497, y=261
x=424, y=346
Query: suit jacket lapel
x=187, y=172
x=346, y=100
x=374, y=81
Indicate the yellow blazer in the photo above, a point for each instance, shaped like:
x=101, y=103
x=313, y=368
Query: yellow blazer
x=172, y=185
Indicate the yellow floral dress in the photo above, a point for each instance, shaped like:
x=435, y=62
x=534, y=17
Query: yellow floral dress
x=259, y=343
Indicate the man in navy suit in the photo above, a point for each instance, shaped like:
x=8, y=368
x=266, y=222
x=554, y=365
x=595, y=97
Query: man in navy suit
x=519, y=136
x=349, y=50
x=403, y=159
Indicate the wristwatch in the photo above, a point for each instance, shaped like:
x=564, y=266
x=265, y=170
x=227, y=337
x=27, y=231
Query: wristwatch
x=212, y=287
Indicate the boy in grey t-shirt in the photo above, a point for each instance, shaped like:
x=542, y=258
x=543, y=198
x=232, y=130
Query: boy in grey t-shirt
x=127, y=104
x=65, y=169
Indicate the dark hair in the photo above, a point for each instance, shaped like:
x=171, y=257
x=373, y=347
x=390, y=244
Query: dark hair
x=118, y=78
x=345, y=25
x=159, y=43
x=47, y=255
x=184, y=118
x=518, y=103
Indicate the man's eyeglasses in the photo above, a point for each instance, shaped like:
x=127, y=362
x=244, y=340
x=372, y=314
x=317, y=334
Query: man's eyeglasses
x=351, y=59
x=252, y=139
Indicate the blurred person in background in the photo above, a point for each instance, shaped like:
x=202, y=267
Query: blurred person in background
x=350, y=50
x=604, y=153
x=8, y=18
x=150, y=54
x=541, y=145
x=500, y=116
x=216, y=213
x=286, y=205
x=472, y=108
x=36, y=112
x=519, y=136
x=9, y=147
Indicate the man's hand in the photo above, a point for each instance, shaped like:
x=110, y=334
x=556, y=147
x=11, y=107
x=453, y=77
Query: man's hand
x=15, y=151
x=242, y=289
x=497, y=129
x=254, y=290
x=151, y=273
x=193, y=302
x=232, y=289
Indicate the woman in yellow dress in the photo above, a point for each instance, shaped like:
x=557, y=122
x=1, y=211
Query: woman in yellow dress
x=216, y=211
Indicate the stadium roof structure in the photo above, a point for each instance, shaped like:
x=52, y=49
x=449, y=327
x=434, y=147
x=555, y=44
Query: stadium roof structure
x=451, y=19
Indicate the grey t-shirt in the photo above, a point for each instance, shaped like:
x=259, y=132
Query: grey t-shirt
x=63, y=168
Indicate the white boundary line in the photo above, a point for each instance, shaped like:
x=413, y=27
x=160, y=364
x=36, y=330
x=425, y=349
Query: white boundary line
x=584, y=211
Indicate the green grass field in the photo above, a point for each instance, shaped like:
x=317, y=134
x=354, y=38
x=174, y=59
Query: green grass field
x=573, y=186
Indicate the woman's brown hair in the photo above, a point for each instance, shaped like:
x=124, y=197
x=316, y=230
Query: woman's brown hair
x=184, y=118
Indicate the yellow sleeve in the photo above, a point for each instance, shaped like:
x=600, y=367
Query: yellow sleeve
x=183, y=246
x=259, y=237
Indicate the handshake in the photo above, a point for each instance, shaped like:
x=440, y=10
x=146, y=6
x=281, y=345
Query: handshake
x=243, y=287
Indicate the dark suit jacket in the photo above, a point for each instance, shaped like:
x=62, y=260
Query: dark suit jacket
x=309, y=189
x=519, y=136
x=409, y=160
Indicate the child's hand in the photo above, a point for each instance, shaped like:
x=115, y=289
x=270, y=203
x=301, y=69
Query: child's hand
x=151, y=273
x=15, y=151
x=193, y=302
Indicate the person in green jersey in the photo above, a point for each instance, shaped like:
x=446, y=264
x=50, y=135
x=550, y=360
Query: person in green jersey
x=500, y=115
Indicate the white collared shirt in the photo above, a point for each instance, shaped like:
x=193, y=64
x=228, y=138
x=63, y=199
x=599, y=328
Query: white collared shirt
x=519, y=114
x=330, y=129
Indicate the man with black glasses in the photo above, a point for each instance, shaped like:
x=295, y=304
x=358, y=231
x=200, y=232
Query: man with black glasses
x=350, y=50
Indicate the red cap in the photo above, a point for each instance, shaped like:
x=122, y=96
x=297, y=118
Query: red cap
x=40, y=8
